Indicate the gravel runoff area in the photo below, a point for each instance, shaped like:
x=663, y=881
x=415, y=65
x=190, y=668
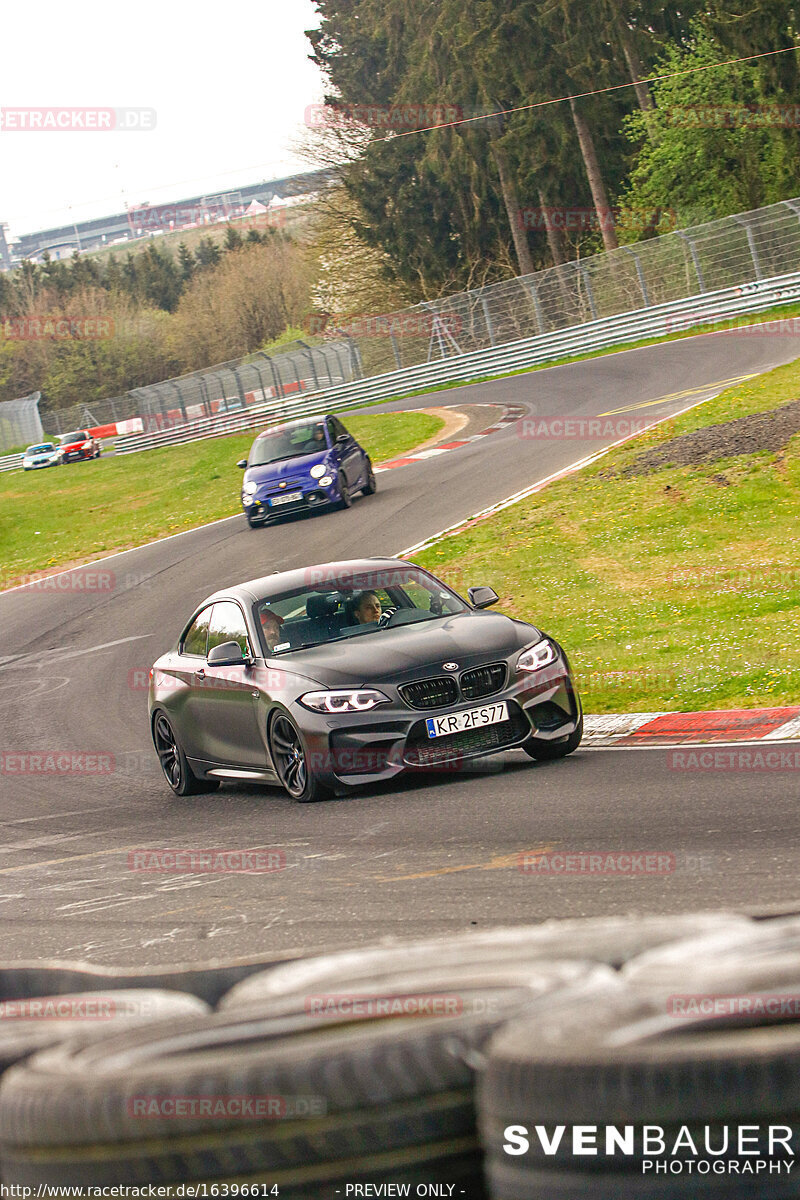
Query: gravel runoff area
x=769, y=430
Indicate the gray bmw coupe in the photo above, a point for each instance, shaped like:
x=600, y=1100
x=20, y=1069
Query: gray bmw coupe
x=347, y=673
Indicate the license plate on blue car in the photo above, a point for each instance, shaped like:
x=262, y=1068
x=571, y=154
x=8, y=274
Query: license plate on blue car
x=289, y=498
x=472, y=718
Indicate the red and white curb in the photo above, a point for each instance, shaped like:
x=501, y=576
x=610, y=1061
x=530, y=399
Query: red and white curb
x=509, y=417
x=726, y=726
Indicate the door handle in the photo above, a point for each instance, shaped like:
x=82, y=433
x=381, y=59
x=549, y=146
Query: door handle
x=200, y=673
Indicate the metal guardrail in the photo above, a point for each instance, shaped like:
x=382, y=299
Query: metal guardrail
x=623, y=328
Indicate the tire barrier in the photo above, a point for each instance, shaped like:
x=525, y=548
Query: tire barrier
x=625, y=1060
x=612, y=1058
x=22, y=980
x=610, y=940
x=36, y=1022
x=386, y=1093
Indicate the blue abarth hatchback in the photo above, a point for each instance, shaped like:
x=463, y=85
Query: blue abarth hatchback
x=303, y=465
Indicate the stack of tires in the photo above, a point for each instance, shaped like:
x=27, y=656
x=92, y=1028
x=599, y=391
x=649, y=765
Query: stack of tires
x=473, y=1065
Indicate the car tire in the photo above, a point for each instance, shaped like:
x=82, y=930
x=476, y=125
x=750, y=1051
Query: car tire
x=394, y=1093
x=371, y=486
x=345, y=499
x=90, y=1014
x=290, y=759
x=174, y=765
x=560, y=748
x=612, y=941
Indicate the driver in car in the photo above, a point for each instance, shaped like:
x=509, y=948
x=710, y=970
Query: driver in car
x=366, y=607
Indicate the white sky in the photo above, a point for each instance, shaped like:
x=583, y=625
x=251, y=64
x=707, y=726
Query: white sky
x=229, y=82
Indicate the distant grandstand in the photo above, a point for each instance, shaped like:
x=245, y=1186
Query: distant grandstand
x=144, y=220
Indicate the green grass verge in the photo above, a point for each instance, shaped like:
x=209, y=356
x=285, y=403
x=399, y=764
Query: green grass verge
x=676, y=590
x=73, y=513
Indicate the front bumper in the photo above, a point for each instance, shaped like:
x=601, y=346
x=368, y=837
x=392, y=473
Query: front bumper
x=76, y=456
x=349, y=749
x=313, y=497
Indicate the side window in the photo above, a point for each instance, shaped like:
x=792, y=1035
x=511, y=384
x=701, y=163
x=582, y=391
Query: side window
x=227, y=625
x=419, y=596
x=197, y=635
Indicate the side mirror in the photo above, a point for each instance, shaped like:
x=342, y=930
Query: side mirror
x=242, y=463
x=482, y=597
x=226, y=654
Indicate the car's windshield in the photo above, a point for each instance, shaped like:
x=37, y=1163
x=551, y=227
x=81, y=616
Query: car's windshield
x=282, y=444
x=39, y=449
x=347, y=605
x=80, y=435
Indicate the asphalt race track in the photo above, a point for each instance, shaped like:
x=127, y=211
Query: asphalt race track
x=417, y=858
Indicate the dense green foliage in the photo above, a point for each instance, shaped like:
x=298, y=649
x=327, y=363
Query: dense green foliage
x=422, y=212
x=444, y=204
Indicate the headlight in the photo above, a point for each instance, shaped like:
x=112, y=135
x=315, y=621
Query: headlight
x=326, y=481
x=249, y=488
x=538, y=656
x=343, y=701
x=317, y=471
x=247, y=501
x=27, y=462
x=87, y=446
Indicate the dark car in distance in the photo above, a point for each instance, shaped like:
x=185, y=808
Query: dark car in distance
x=79, y=445
x=303, y=465
x=321, y=678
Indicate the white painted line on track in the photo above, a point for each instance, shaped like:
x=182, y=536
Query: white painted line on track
x=681, y=745
x=533, y=488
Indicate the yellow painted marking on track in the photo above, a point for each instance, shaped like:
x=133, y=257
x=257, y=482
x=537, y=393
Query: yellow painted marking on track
x=499, y=863
x=679, y=395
